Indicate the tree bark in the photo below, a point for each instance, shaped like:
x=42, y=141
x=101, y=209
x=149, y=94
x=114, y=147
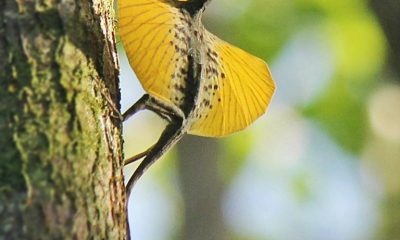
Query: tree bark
x=201, y=188
x=388, y=12
x=60, y=130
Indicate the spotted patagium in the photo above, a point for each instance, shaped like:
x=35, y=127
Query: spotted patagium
x=199, y=83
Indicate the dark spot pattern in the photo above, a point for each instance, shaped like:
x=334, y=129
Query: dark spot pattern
x=185, y=87
x=223, y=75
x=181, y=34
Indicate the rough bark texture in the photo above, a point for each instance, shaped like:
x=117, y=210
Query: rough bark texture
x=201, y=188
x=60, y=142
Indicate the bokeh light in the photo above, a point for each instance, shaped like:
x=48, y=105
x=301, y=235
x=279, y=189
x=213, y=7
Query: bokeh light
x=321, y=164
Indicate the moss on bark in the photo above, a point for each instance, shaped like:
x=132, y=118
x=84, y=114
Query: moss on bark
x=60, y=131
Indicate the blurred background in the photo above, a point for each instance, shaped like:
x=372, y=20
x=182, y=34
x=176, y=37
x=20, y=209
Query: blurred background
x=323, y=163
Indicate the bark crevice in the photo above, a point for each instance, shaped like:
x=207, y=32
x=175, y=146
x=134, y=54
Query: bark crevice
x=61, y=162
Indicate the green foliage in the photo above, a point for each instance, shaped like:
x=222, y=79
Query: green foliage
x=359, y=50
x=391, y=211
x=265, y=32
x=354, y=38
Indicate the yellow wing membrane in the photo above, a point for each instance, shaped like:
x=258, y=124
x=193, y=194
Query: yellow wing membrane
x=244, y=88
x=148, y=32
x=235, y=87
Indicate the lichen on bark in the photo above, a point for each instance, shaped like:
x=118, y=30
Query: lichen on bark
x=60, y=131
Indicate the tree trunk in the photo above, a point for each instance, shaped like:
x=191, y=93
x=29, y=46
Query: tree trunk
x=388, y=12
x=201, y=188
x=60, y=130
